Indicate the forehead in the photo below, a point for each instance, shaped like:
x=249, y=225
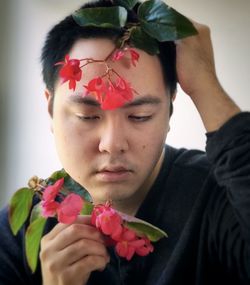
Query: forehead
x=145, y=78
x=101, y=48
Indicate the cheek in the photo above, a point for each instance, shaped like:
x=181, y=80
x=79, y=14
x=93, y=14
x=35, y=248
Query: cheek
x=71, y=141
x=151, y=142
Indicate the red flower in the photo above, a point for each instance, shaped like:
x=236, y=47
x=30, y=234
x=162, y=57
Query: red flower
x=113, y=98
x=109, y=95
x=70, y=71
x=134, y=56
x=49, y=205
x=117, y=95
x=49, y=208
x=119, y=54
x=146, y=248
x=69, y=209
x=128, y=244
x=96, y=87
x=107, y=220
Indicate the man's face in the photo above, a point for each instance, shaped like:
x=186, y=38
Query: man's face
x=114, y=154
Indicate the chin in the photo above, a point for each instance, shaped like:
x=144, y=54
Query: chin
x=110, y=194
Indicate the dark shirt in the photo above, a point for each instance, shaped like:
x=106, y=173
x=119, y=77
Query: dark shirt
x=202, y=200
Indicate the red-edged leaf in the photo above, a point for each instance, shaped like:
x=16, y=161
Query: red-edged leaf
x=143, y=228
x=32, y=241
x=20, y=205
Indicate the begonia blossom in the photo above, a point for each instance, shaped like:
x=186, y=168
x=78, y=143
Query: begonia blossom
x=117, y=95
x=110, y=95
x=49, y=205
x=70, y=71
x=128, y=244
x=66, y=208
x=134, y=56
x=146, y=248
x=107, y=220
x=96, y=87
x=69, y=208
x=125, y=240
x=120, y=53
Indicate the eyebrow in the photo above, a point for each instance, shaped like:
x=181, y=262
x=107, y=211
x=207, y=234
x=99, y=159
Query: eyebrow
x=139, y=101
x=143, y=100
x=86, y=100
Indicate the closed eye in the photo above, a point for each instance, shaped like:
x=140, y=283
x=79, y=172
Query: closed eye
x=139, y=118
x=87, y=118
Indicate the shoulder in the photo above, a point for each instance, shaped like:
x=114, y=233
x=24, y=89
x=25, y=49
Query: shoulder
x=188, y=159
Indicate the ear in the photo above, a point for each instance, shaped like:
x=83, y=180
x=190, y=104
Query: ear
x=49, y=97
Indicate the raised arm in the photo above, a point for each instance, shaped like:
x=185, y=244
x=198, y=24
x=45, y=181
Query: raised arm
x=197, y=77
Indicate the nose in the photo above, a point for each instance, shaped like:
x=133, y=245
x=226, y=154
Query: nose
x=113, y=138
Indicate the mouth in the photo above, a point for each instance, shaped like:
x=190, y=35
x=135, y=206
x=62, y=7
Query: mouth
x=113, y=174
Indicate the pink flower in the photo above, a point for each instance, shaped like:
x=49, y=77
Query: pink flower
x=49, y=205
x=109, y=95
x=49, y=208
x=107, y=220
x=70, y=71
x=134, y=56
x=119, y=54
x=146, y=248
x=128, y=244
x=69, y=208
x=113, y=98
x=117, y=95
x=96, y=87
x=125, y=240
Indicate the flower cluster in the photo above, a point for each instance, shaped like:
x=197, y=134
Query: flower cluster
x=110, y=90
x=125, y=240
x=67, y=210
x=103, y=217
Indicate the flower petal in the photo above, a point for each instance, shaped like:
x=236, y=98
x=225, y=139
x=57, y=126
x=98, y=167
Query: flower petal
x=70, y=208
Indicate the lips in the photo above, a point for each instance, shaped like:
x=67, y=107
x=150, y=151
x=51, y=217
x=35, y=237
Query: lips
x=113, y=174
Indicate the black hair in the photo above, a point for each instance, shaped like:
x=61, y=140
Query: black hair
x=62, y=36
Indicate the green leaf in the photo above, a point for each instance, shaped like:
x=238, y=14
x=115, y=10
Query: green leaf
x=128, y=4
x=32, y=241
x=105, y=17
x=35, y=212
x=58, y=175
x=74, y=187
x=19, y=210
x=163, y=22
x=69, y=186
x=142, y=40
x=143, y=228
x=87, y=208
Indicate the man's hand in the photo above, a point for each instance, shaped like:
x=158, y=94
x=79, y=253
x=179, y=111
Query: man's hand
x=197, y=77
x=69, y=253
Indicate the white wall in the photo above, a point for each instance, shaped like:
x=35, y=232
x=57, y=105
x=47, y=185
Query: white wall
x=27, y=146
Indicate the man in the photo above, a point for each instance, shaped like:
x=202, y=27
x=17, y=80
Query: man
x=201, y=200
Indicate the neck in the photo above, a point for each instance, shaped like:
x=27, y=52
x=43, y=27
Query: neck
x=131, y=205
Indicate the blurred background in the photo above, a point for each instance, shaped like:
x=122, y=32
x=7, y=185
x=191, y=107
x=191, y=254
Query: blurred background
x=27, y=146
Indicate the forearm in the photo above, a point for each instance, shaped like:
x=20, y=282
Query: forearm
x=214, y=106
